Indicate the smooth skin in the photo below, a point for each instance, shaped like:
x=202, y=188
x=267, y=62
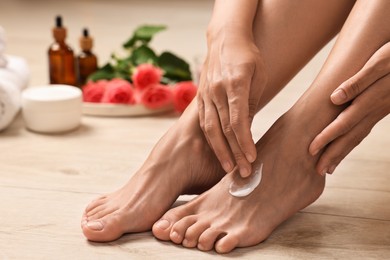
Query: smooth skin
x=188, y=166
x=232, y=81
x=182, y=162
x=369, y=94
x=238, y=79
x=220, y=221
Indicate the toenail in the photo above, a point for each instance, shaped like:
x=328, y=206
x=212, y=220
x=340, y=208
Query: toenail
x=84, y=222
x=201, y=247
x=185, y=242
x=95, y=225
x=163, y=224
x=323, y=172
x=175, y=236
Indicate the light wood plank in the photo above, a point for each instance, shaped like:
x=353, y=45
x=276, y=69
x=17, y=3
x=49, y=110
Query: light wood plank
x=47, y=180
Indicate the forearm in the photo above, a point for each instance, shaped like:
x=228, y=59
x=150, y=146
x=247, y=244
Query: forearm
x=234, y=16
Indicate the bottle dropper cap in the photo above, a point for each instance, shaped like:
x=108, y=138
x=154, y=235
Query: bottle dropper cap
x=86, y=42
x=59, y=32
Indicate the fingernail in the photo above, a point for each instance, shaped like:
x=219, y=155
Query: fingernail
x=338, y=96
x=227, y=166
x=332, y=168
x=323, y=172
x=249, y=157
x=315, y=152
x=95, y=225
x=244, y=172
x=163, y=224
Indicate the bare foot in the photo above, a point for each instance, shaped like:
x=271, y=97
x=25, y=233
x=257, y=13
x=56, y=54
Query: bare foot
x=180, y=163
x=218, y=220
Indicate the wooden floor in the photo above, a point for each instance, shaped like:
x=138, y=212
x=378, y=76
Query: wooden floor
x=47, y=180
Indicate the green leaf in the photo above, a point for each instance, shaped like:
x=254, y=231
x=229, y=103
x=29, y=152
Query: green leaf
x=144, y=34
x=143, y=54
x=130, y=43
x=176, y=69
x=123, y=64
x=123, y=75
x=105, y=72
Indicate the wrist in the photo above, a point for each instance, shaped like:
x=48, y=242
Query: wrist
x=216, y=31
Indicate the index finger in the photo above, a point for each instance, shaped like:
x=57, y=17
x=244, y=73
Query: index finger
x=376, y=67
x=341, y=125
x=240, y=120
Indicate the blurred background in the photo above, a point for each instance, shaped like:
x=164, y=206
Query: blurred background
x=28, y=27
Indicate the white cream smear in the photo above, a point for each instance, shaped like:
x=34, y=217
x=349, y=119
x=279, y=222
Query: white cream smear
x=241, y=187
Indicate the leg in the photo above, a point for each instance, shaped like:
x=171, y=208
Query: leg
x=289, y=183
x=175, y=166
x=188, y=166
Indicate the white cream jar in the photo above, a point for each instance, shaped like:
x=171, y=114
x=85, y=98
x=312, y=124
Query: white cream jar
x=52, y=108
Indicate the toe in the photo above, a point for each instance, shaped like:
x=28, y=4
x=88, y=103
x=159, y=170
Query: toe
x=104, y=212
x=96, y=210
x=162, y=228
x=103, y=230
x=93, y=204
x=207, y=239
x=226, y=244
x=84, y=220
x=180, y=227
x=193, y=233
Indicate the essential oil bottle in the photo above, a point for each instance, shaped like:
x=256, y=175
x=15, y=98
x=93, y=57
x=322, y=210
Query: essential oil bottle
x=61, y=58
x=86, y=61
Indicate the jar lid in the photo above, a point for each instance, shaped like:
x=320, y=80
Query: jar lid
x=52, y=97
x=52, y=108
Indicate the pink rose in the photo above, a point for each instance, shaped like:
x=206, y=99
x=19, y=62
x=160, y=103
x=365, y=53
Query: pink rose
x=119, y=91
x=94, y=91
x=146, y=75
x=156, y=96
x=183, y=93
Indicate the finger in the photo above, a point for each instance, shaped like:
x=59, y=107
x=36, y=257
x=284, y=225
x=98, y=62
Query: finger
x=375, y=69
x=342, y=124
x=341, y=147
x=199, y=94
x=200, y=103
x=258, y=84
x=215, y=136
x=240, y=158
x=238, y=99
x=201, y=111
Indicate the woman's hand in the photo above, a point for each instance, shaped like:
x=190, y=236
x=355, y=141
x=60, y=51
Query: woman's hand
x=231, y=84
x=370, y=91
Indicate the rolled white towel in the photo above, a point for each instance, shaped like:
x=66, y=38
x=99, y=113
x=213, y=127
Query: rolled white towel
x=13, y=79
x=3, y=60
x=18, y=66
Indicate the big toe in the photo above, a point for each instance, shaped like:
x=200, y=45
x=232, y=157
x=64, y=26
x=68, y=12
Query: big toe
x=102, y=230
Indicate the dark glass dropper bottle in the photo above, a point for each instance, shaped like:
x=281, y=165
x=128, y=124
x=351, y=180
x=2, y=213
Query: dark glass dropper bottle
x=61, y=58
x=86, y=61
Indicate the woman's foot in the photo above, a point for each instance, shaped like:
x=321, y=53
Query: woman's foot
x=180, y=163
x=218, y=220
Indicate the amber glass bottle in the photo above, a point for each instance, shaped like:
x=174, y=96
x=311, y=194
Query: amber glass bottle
x=61, y=58
x=86, y=61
